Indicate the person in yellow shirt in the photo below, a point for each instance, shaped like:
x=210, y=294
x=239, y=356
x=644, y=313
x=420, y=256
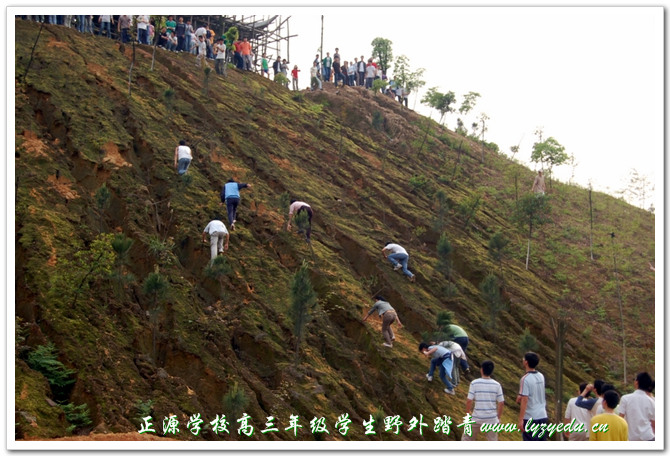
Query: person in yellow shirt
x=608, y=426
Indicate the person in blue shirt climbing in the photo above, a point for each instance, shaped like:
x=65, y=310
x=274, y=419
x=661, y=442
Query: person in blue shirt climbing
x=230, y=195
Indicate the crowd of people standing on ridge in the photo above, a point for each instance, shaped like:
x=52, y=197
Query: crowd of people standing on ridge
x=178, y=34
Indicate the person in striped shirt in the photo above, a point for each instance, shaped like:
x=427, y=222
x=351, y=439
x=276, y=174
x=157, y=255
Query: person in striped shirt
x=487, y=395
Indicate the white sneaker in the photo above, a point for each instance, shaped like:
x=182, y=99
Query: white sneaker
x=429, y=377
x=387, y=345
x=449, y=391
x=397, y=266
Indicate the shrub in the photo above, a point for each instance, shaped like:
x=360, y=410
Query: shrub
x=418, y=182
x=444, y=250
x=490, y=292
x=281, y=78
x=303, y=299
x=121, y=245
x=377, y=120
x=143, y=409
x=217, y=270
x=77, y=415
x=234, y=401
x=169, y=97
x=378, y=85
x=527, y=342
x=44, y=360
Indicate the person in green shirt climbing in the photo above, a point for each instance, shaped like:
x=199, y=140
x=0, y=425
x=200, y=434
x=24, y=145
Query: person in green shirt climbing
x=459, y=336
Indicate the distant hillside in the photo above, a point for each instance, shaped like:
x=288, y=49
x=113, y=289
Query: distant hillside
x=152, y=332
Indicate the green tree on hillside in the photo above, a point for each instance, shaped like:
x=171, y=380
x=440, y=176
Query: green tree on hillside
x=232, y=34
x=638, y=189
x=439, y=101
x=469, y=102
x=441, y=210
x=234, y=402
x=382, y=51
x=378, y=85
x=532, y=211
x=121, y=245
x=490, y=292
x=90, y=269
x=549, y=152
x=303, y=300
x=102, y=201
x=498, y=249
x=527, y=342
x=404, y=77
x=155, y=287
x=444, y=250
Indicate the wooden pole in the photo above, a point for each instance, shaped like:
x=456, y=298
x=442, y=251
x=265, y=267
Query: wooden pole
x=321, y=48
x=591, y=216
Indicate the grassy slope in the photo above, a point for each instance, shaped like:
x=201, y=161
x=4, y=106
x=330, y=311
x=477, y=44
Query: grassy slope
x=74, y=115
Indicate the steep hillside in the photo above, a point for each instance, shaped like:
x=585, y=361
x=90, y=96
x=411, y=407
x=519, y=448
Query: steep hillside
x=94, y=160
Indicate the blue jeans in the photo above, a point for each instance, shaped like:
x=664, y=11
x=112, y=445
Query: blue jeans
x=125, y=36
x=231, y=207
x=401, y=258
x=463, y=342
x=52, y=19
x=80, y=23
x=326, y=74
x=445, y=366
x=182, y=165
x=142, y=36
x=187, y=43
x=103, y=26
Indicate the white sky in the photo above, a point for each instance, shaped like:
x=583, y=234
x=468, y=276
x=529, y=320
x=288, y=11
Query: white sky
x=591, y=77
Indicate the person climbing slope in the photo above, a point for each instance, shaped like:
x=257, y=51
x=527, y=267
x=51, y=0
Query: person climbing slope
x=230, y=196
x=398, y=257
x=388, y=316
x=296, y=208
x=217, y=232
x=182, y=157
x=443, y=358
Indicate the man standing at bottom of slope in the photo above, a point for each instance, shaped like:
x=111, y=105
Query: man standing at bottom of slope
x=217, y=232
x=617, y=428
x=580, y=415
x=532, y=398
x=639, y=410
x=487, y=394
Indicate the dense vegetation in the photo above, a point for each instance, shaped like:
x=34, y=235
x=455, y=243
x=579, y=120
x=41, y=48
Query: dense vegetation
x=119, y=315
